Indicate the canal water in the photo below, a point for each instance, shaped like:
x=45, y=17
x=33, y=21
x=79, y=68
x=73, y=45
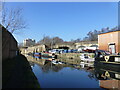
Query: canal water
x=67, y=75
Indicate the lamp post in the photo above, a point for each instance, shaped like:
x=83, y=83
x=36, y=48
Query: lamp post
x=52, y=43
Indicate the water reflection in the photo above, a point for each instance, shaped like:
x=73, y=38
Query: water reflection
x=73, y=75
x=110, y=84
x=107, y=73
x=108, y=76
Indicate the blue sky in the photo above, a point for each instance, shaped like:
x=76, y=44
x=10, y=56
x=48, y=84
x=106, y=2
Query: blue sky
x=68, y=20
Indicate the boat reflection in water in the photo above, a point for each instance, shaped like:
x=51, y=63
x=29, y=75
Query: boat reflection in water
x=109, y=77
x=71, y=74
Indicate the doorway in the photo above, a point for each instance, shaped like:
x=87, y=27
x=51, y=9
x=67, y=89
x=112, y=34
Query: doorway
x=112, y=48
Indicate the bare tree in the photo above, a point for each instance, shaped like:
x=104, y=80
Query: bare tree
x=12, y=19
x=50, y=42
x=56, y=40
x=93, y=35
x=46, y=40
x=76, y=40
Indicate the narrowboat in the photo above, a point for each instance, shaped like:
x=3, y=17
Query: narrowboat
x=105, y=58
x=37, y=54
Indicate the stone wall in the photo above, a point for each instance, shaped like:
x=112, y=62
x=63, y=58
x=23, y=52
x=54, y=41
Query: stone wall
x=62, y=45
x=69, y=56
x=9, y=45
x=73, y=55
x=86, y=43
x=37, y=48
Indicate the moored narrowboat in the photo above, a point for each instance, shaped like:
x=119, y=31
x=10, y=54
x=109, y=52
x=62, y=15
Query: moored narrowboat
x=37, y=54
x=103, y=57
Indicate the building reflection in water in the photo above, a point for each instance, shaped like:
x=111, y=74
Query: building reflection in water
x=110, y=84
x=109, y=78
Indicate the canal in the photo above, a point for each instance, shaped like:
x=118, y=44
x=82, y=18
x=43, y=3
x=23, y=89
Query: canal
x=67, y=75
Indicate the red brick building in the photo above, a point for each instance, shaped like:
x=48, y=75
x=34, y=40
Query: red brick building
x=109, y=41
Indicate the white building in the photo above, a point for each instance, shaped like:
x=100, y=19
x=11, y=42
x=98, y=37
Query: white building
x=28, y=42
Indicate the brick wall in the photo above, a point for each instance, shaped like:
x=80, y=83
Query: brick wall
x=106, y=38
